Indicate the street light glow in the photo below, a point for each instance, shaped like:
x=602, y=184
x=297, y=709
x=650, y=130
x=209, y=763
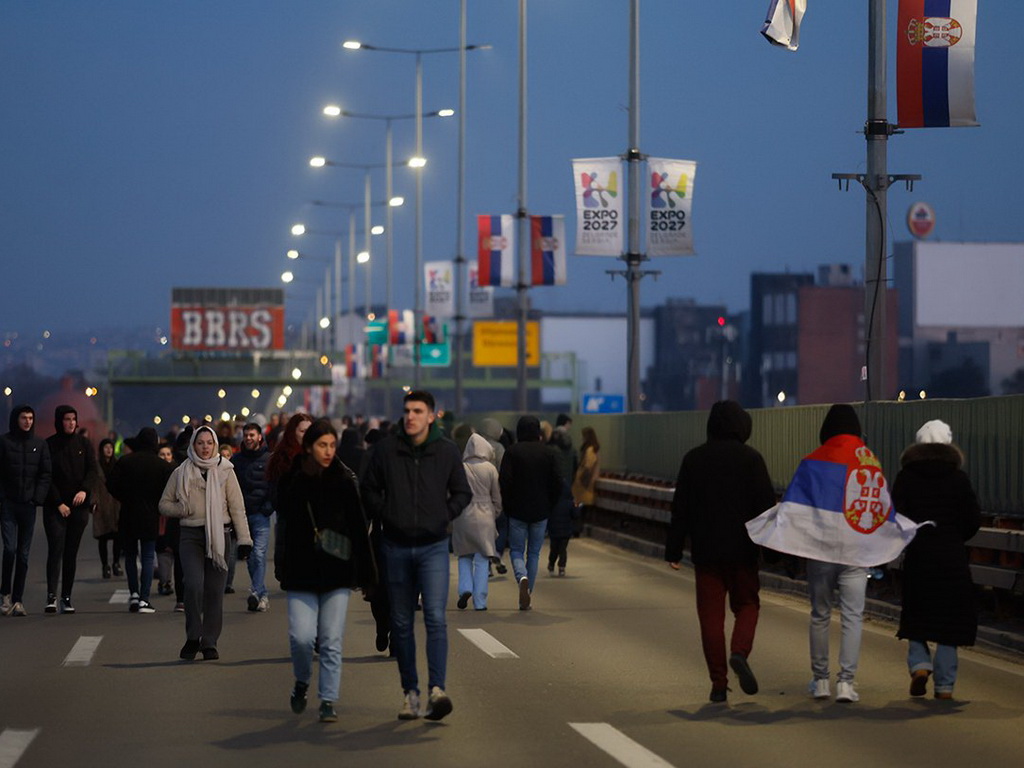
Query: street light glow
x=352, y=45
x=287, y=390
x=396, y=201
x=298, y=229
x=287, y=277
x=332, y=110
x=377, y=229
x=417, y=162
x=296, y=374
x=445, y=112
x=255, y=393
x=363, y=256
x=325, y=323
x=317, y=161
x=292, y=254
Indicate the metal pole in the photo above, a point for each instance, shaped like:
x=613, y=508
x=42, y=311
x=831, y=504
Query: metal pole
x=522, y=400
x=353, y=327
x=877, y=134
x=366, y=239
x=337, y=293
x=418, y=274
x=633, y=257
x=389, y=255
x=460, y=259
x=318, y=332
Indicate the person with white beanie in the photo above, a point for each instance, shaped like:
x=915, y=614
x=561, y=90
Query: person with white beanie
x=939, y=602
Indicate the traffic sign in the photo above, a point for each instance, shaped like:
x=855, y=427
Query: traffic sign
x=602, y=403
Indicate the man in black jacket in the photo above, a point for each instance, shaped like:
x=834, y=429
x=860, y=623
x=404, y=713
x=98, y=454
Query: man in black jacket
x=531, y=484
x=415, y=485
x=66, y=512
x=24, y=483
x=722, y=484
x=251, y=470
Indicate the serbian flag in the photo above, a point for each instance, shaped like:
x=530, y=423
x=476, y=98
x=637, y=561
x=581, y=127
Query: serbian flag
x=496, y=248
x=935, y=63
x=547, y=250
x=782, y=25
x=837, y=509
x=353, y=369
x=400, y=325
x=376, y=362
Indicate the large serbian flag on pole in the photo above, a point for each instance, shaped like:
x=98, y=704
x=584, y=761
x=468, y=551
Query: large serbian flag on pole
x=836, y=509
x=547, y=250
x=782, y=25
x=496, y=248
x=935, y=63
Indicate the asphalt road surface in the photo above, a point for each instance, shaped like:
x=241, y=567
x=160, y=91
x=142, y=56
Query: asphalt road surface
x=606, y=670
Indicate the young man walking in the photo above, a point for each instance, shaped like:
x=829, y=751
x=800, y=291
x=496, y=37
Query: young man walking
x=415, y=485
x=251, y=470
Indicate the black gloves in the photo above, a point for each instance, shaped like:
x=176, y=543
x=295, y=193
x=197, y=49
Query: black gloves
x=244, y=550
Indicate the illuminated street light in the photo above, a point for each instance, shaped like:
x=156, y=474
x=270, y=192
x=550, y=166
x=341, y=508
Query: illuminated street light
x=296, y=374
x=396, y=201
x=245, y=412
x=362, y=257
x=298, y=229
x=332, y=110
x=157, y=420
x=377, y=229
x=292, y=254
x=318, y=161
x=255, y=393
x=287, y=276
x=417, y=162
x=325, y=322
x=287, y=390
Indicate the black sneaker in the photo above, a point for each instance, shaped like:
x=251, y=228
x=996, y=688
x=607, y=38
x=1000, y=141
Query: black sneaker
x=748, y=683
x=66, y=606
x=106, y=571
x=253, y=602
x=133, y=602
x=117, y=569
x=51, y=603
x=464, y=600
x=298, y=700
x=229, y=590
x=327, y=713
x=145, y=607
x=210, y=654
x=189, y=650
x=719, y=695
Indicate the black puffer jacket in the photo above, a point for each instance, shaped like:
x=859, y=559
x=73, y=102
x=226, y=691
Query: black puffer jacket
x=137, y=481
x=939, y=602
x=73, y=461
x=722, y=484
x=331, y=495
x=25, y=467
x=415, y=491
x=251, y=471
x=530, y=479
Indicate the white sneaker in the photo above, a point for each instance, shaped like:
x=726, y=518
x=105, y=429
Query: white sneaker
x=819, y=688
x=438, y=705
x=410, y=707
x=18, y=610
x=263, y=605
x=845, y=692
x=6, y=605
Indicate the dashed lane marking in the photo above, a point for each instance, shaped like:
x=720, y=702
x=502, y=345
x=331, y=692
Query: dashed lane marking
x=488, y=644
x=82, y=651
x=13, y=745
x=619, y=745
x=120, y=597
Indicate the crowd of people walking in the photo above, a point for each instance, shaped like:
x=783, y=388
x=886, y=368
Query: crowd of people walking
x=381, y=510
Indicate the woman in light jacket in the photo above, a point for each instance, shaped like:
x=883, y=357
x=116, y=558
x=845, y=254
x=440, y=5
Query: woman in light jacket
x=585, y=483
x=203, y=491
x=320, y=491
x=474, y=531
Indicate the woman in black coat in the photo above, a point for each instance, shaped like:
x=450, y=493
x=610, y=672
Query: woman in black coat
x=320, y=491
x=938, y=595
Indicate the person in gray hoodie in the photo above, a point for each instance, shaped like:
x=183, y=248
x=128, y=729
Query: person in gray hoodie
x=25, y=472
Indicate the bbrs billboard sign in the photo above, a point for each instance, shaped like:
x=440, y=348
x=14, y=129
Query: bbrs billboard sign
x=227, y=319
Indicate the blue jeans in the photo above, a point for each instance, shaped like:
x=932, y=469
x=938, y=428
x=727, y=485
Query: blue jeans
x=822, y=581
x=944, y=664
x=412, y=572
x=259, y=529
x=136, y=583
x=473, y=574
x=529, y=537
x=18, y=521
x=312, y=617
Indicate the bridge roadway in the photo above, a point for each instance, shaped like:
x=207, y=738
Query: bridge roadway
x=608, y=663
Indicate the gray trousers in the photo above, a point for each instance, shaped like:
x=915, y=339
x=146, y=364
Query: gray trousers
x=204, y=588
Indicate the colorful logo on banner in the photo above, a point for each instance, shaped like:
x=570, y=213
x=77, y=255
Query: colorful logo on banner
x=481, y=297
x=440, y=288
x=935, y=63
x=547, y=250
x=669, y=231
x=599, y=215
x=496, y=244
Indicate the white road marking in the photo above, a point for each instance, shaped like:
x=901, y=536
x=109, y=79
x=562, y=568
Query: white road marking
x=82, y=651
x=619, y=745
x=120, y=597
x=488, y=644
x=13, y=745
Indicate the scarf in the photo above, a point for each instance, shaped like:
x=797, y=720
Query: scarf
x=216, y=468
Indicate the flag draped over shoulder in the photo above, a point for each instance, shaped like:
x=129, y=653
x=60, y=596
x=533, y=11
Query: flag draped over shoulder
x=782, y=25
x=496, y=248
x=935, y=63
x=837, y=509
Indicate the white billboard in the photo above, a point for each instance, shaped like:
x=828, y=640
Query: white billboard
x=969, y=285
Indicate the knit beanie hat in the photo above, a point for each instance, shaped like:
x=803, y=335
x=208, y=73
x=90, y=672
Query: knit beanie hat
x=935, y=431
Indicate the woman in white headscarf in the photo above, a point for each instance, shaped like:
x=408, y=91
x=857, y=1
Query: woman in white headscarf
x=204, y=493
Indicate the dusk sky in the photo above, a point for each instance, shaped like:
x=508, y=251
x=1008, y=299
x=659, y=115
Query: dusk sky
x=148, y=145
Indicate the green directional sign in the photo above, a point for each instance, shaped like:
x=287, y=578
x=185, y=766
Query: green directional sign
x=439, y=355
x=376, y=332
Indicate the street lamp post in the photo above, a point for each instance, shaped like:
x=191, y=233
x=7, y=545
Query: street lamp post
x=417, y=162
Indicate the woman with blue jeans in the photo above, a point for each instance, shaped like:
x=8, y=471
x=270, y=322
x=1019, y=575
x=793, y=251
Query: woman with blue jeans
x=938, y=594
x=474, y=531
x=320, y=494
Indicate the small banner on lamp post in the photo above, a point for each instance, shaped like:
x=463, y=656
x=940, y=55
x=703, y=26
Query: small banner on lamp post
x=440, y=288
x=669, y=230
x=600, y=222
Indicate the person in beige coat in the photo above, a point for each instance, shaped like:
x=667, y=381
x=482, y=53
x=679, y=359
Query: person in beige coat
x=584, y=485
x=474, y=531
x=203, y=491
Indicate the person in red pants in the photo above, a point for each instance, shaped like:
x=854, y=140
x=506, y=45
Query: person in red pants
x=722, y=484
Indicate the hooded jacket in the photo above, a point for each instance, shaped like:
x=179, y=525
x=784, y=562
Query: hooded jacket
x=531, y=483
x=414, y=491
x=73, y=461
x=474, y=531
x=721, y=484
x=939, y=602
x=25, y=467
x=137, y=481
